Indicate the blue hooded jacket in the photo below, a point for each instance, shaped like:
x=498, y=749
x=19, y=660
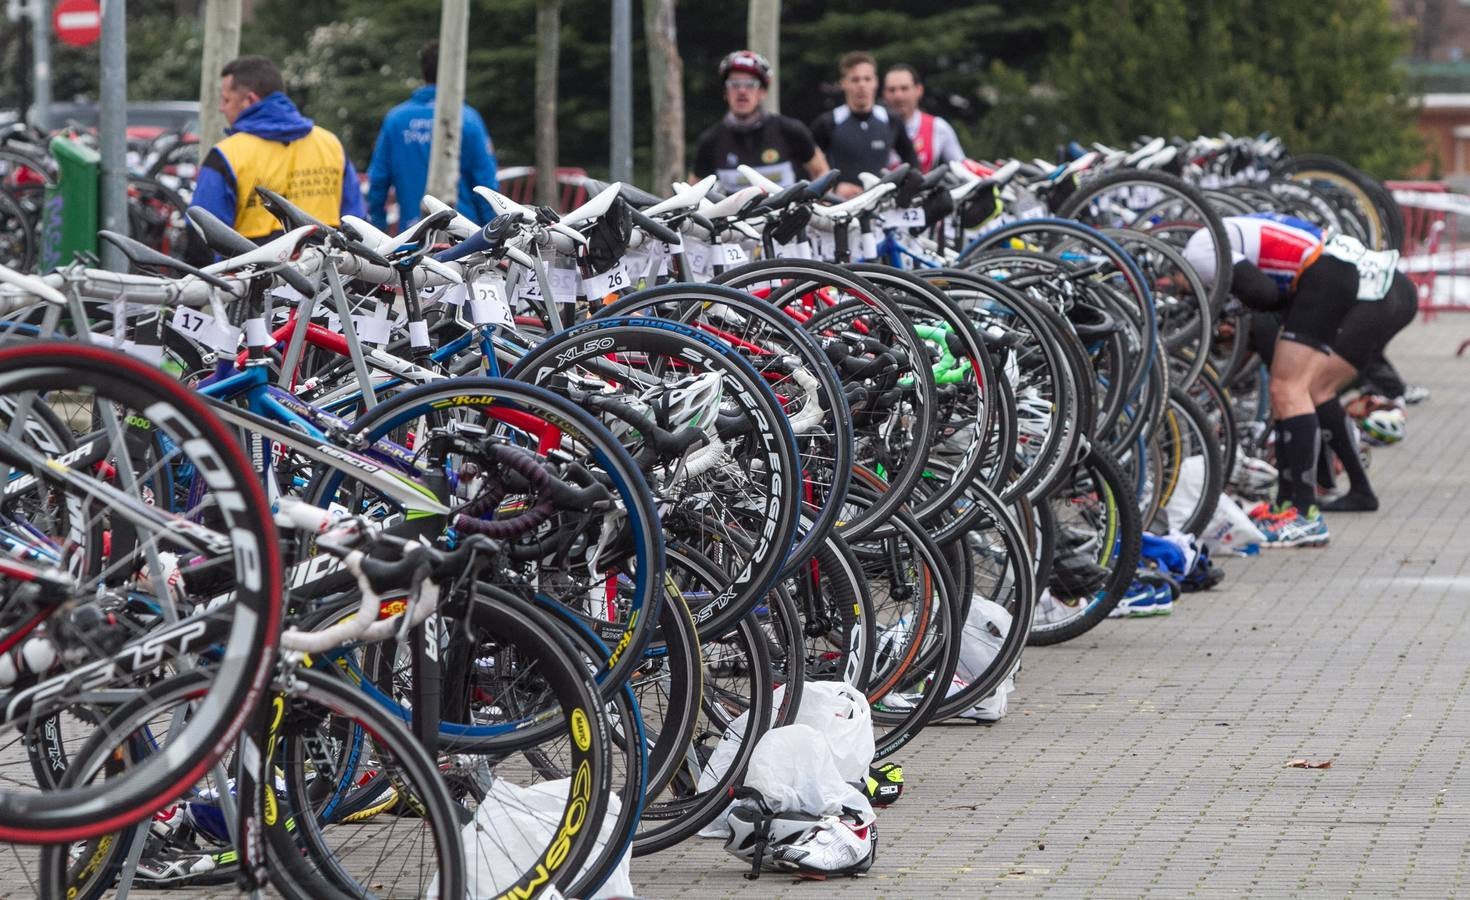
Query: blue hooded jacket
x=274, y=118
x=401, y=161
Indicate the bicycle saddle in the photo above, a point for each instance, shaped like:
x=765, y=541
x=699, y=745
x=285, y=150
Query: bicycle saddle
x=636, y=197
x=228, y=242
x=683, y=200
x=459, y=225
x=289, y=214
x=595, y=208
x=274, y=253
x=733, y=204
x=144, y=256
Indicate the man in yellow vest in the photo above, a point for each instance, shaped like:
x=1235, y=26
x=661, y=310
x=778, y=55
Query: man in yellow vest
x=271, y=144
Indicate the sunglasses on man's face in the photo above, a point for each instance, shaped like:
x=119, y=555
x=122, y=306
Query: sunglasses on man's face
x=738, y=84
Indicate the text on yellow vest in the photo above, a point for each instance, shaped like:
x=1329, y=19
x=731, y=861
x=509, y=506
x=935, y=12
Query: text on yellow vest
x=307, y=171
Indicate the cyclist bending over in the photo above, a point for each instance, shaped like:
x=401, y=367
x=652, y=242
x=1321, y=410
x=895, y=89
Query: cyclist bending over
x=1282, y=265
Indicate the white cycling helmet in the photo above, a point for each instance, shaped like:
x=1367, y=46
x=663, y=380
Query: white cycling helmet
x=782, y=828
x=1385, y=425
x=1199, y=252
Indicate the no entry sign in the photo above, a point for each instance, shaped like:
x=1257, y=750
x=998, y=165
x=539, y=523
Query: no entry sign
x=77, y=22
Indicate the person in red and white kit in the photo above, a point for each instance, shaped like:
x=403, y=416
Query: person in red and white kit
x=933, y=138
x=1331, y=326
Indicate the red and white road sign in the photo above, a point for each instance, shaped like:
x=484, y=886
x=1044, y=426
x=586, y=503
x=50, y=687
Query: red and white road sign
x=77, y=22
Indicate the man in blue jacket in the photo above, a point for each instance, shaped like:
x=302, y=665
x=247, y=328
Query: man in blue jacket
x=271, y=144
x=401, y=156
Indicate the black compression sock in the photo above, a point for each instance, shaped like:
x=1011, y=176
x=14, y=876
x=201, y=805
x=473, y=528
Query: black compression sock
x=1296, y=460
x=1338, y=433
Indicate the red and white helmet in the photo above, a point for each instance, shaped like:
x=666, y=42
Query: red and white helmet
x=749, y=62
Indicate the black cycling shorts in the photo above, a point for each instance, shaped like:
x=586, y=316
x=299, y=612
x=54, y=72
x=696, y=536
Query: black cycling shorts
x=1371, y=324
x=1365, y=331
x=1326, y=292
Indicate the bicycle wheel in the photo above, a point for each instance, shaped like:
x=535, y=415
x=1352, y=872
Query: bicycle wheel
x=796, y=369
x=160, y=487
x=321, y=720
x=740, y=489
x=620, y=543
x=736, y=710
x=1096, y=521
x=882, y=362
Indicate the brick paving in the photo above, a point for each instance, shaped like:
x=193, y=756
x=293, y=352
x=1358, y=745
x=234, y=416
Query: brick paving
x=1148, y=758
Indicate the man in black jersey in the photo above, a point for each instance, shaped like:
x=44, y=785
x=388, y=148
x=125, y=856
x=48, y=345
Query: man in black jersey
x=771, y=144
x=859, y=135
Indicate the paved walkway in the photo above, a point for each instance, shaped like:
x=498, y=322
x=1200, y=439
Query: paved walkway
x=1150, y=756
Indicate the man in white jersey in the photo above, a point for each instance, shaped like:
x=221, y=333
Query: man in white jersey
x=1278, y=264
x=933, y=138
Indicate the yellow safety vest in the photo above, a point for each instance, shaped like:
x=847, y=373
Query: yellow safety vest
x=307, y=171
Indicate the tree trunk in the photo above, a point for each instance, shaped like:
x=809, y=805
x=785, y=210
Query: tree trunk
x=445, y=139
x=763, y=35
x=221, y=44
x=666, y=78
x=548, y=52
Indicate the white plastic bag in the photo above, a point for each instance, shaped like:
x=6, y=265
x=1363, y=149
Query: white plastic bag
x=1187, y=490
x=794, y=771
x=985, y=630
x=1230, y=528
x=840, y=713
x=513, y=825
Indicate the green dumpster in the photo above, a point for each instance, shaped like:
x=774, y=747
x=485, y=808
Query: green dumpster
x=69, y=218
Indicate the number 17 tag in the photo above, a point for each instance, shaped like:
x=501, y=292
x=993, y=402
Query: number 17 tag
x=216, y=334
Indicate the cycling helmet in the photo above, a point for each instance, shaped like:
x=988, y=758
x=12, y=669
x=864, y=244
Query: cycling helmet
x=1199, y=252
x=692, y=402
x=753, y=832
x=747, y=61
x=1385, y=425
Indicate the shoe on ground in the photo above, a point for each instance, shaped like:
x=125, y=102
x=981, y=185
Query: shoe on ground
x=884, y=784
x=1351, y=502
x=1415, y=393
x=833, y=846
x=1144, y=598
x=1307, y=529
x=1264, y=514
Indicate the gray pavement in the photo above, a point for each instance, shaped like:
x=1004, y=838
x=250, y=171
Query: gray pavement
x=1149, y=757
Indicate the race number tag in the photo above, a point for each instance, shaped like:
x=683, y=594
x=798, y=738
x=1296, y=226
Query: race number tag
x=613, y=280
x=488, y=304
x=374, y=329
x=289, y=294
x=216, y=334
x=565, y=283
x=908, y=217
x=643, y=264
x=731, y=255
x=697, y=255
x=529, y=289
x=826, y=246
x=1375, y=267
x=794, y=250
x=451, y=295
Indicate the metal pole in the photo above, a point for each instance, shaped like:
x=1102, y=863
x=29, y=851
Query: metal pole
x=454, y=23
x=112, y=127
x=221, y=44
x=622, y=91
x=41, y=63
